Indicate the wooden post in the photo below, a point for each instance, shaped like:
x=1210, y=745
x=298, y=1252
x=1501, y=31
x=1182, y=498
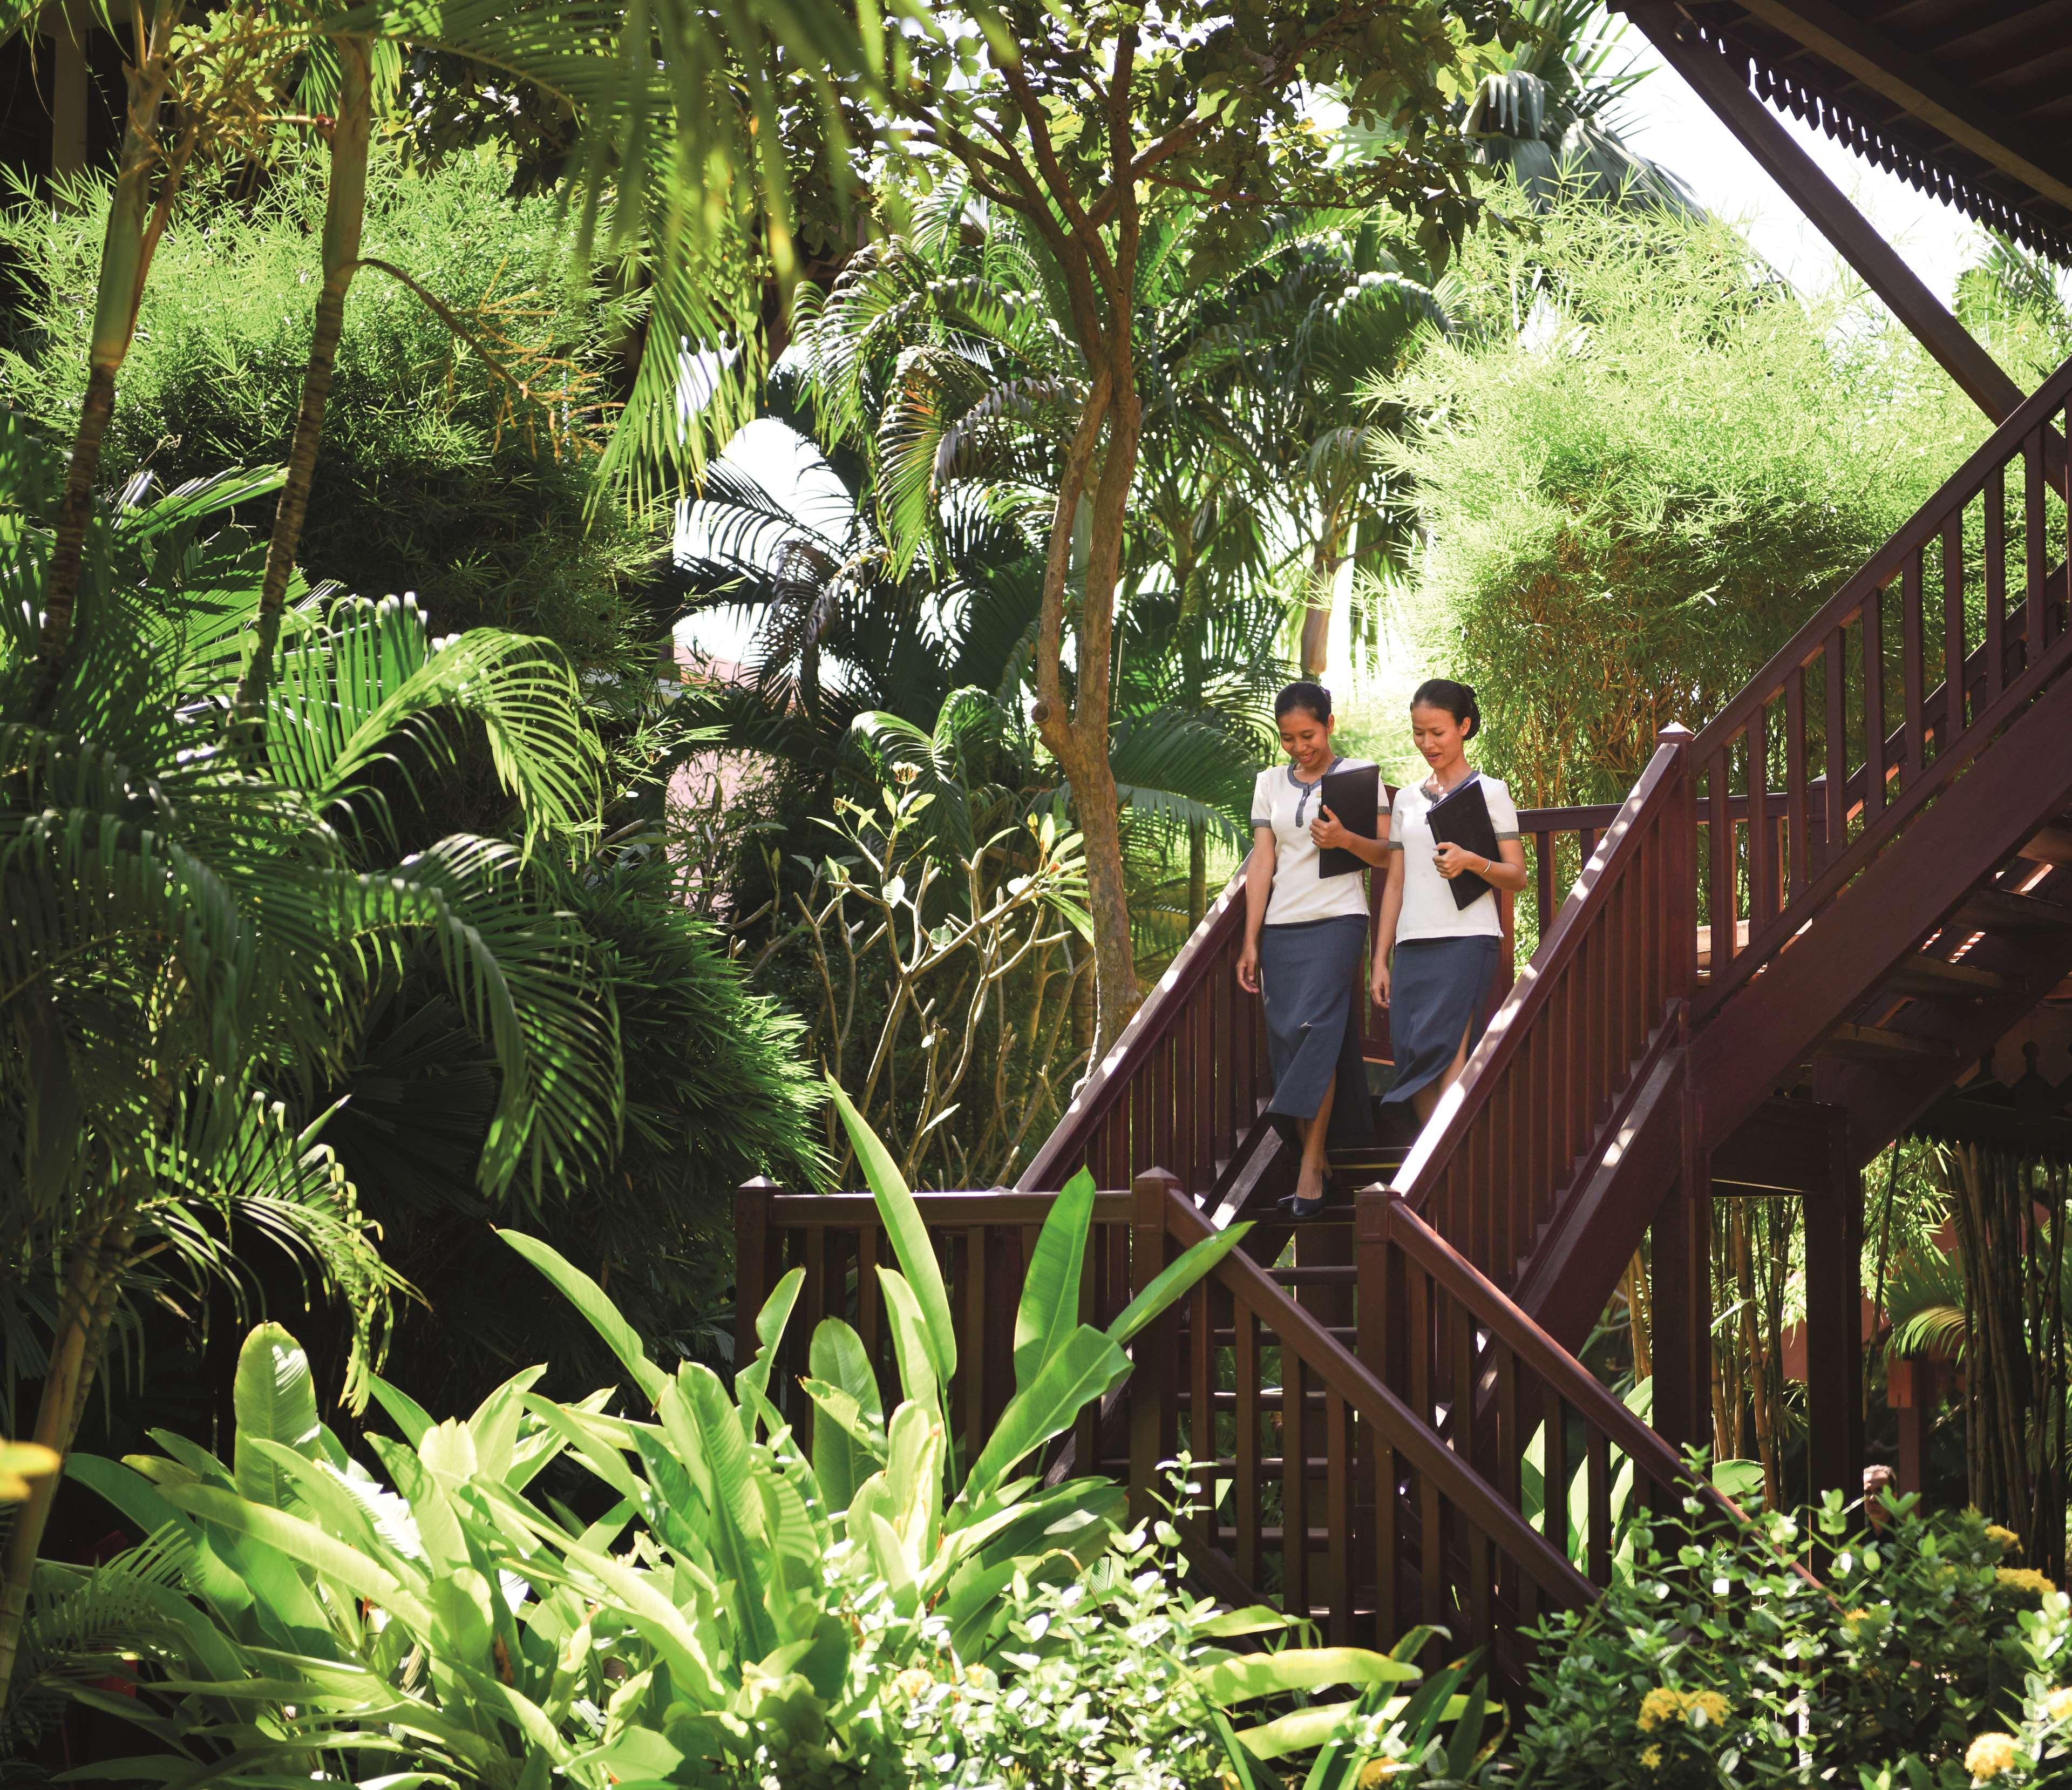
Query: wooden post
x=1153, y=1431
x=67, y=26
x=751, y=1264
x=1835, y=1324
x=1911, y=1390
x=1681, y=1272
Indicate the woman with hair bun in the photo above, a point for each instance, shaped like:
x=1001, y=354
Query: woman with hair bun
x=1304, y=933
x=1437, y=987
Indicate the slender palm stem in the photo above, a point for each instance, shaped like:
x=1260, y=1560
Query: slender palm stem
x=345, y=210
x=125, y=257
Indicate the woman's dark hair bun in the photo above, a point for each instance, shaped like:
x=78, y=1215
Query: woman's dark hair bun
x=1457, y=700
x=1303, y=694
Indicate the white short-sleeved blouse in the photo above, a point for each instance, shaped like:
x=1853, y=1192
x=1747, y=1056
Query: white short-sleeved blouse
x=1428, y=912
x=1281, y=801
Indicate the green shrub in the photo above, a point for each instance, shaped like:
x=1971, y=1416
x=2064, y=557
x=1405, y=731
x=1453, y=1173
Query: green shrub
x=1717, y=1661
x=435, y=476
x=1641, y=460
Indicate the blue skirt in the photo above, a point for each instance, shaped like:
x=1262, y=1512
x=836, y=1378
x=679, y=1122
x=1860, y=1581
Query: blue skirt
x=1438, y=990
x=1306, y=973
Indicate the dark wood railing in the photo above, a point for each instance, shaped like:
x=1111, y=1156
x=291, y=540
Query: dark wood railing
x=1871, y=709
x=1563, y=1053
x=1185, y=1085
x=983, y=1240
x=1345, y=1481
x=1532, y=1423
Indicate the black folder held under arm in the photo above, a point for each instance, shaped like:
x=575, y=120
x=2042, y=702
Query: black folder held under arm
x=1462, y=819
x=1355, y=798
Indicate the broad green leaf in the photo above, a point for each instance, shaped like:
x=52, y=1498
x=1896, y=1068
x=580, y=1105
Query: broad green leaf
x=914, y=1477
x=845, y=1452
x=590, y=1299
x=404, y=1411
x=918, y=1381
x=1246, y=1676
x=1050, y=1308
x=910, y=1235
x=1296, y=1732
x=1174, y=1280
x=740, y=1543
x=594, y=1450
x=493, y=1424
x=275, y=1398
x=668, y=1627
x=305, y=1542
x=146, y=1506
x=769, y=1323
x=837, y=1355
x=1081, y=1370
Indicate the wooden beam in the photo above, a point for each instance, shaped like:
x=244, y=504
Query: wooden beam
x=1835, y=1328
x=1867, y=55
x=1785, y=1147
x=1722, y=84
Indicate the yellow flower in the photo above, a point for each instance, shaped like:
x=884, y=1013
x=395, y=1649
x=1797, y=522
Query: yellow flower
x=2057, y=1705
x=2023, y=1578
x=914, y=1682
x=1659, y=1706
x=1650, y=1758
x=1988, y=1756
x=2009, y=1542
x=1703, y=1706
x=1377, y=1771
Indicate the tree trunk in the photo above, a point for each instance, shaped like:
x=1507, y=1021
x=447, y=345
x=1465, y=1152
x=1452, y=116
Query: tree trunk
x=1323, y=598
x=81, y=1326
x=125, y=258
x=345, y=210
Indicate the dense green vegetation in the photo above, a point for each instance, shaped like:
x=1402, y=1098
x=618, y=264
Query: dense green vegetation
x=386, y=921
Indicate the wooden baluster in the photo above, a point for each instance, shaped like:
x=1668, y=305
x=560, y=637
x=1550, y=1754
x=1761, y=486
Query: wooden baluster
x=1598, y=1468
x=1431, y=1548
x=1201, y=1407
x=971, y=1352
x=1182, y=1159
x=1201, y=1028
x=815, y=1290
x=1387, y=1545
x=1461, y=1420
x=868, y=1291
x=1510, y=1445
x=1996, y=508
x=1554, y=1475
x=1294, y=1483
x=1796, y=774
x=1421, y=1342
x=2036, y=539
x=1911, y=674
x=1480, y=1627
x=1245, y=1353
x=752, y=1261
x=1953, y=623
x=1085, y=1427
x=2057, y=607
x=1720, y=879
x=1834, y=808
x=1874, y=729
x=1543, y=875
x=1337, y=1587
x=1163, y=1093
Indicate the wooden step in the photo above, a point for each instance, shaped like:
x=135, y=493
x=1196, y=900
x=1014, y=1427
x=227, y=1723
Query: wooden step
x=1925, y=978
x=1333, y=1274
x=1875, y=1044
x=2003, y=911
x=2052, y=844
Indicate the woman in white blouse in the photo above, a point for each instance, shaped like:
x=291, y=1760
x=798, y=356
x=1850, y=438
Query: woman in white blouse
x=1437, y=987
x=1304, y=934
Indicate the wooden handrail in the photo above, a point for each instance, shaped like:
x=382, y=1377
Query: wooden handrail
x=1345, y=1376
x=1384, y=1216
x=1065, y=1149
x=1655, y=802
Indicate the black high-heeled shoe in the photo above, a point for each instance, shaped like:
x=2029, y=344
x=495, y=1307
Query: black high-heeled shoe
x=1297, y=1207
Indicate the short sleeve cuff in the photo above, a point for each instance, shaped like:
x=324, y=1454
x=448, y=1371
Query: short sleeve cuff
x=1397, y=845
x=1267, y=821
x=1501, y=837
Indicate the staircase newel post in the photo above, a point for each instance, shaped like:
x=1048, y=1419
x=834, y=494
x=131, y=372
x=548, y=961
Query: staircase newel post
x=751, y=1264
x=1378, y=1301
x=1154, y=1426
x=1682, y=1234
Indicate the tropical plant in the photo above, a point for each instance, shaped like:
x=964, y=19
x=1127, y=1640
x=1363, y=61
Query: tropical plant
x=770, y=1615
x=196, y=937
x=1720, y=1655
x=1090, y=125
x=456, y=467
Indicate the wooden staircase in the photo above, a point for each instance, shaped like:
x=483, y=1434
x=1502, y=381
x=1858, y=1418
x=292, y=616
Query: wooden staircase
x=1804, y=923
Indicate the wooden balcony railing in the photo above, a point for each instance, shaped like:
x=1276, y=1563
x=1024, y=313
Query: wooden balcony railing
x=1873, y=708
x=1565, y=1051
